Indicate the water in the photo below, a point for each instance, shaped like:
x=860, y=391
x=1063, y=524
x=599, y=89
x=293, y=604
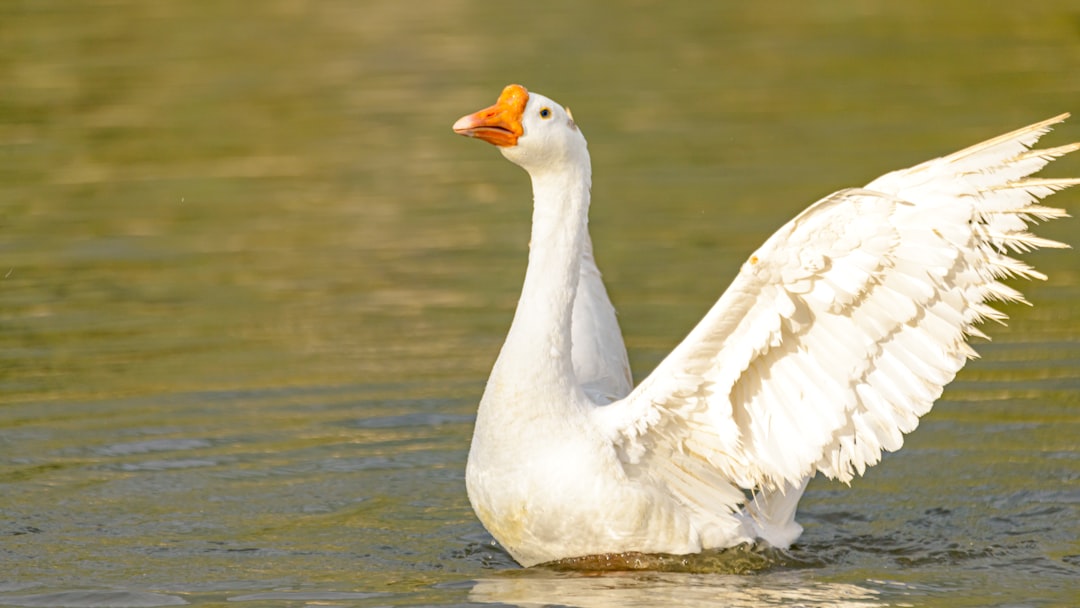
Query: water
x=252, y=287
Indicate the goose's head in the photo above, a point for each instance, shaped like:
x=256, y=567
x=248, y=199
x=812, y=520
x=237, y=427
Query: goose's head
x=529, y=129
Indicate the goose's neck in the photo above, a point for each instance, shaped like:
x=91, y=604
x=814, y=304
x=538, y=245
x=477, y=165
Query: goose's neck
x=540, y=336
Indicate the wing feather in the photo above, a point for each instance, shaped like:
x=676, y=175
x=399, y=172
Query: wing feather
x=842, y=329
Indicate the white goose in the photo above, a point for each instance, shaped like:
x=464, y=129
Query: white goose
x=834, y=338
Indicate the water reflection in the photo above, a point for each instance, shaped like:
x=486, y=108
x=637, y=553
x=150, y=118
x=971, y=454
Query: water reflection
x=669, y=589
x=93, y=598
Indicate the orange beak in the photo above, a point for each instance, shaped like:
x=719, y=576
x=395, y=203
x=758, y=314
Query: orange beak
x=501, y=123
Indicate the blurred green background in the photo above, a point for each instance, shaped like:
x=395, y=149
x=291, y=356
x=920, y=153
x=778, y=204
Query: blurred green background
x=219, y=194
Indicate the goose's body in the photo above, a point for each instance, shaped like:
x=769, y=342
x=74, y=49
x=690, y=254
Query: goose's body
x=834, y=338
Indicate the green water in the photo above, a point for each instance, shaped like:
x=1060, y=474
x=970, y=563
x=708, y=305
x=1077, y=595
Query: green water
x=251, y=286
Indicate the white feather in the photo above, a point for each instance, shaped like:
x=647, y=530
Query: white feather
x=888, y=320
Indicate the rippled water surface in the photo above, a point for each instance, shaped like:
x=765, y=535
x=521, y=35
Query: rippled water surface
x=251, y=286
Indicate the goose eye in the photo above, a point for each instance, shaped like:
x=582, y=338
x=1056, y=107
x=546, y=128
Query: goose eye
x=545, y=113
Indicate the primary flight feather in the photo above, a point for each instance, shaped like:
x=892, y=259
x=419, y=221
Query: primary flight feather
x=834, y=338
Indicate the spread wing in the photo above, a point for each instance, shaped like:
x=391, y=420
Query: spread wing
x=842, y=329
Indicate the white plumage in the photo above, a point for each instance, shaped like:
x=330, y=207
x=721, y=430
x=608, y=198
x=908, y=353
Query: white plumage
x=834, y=338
